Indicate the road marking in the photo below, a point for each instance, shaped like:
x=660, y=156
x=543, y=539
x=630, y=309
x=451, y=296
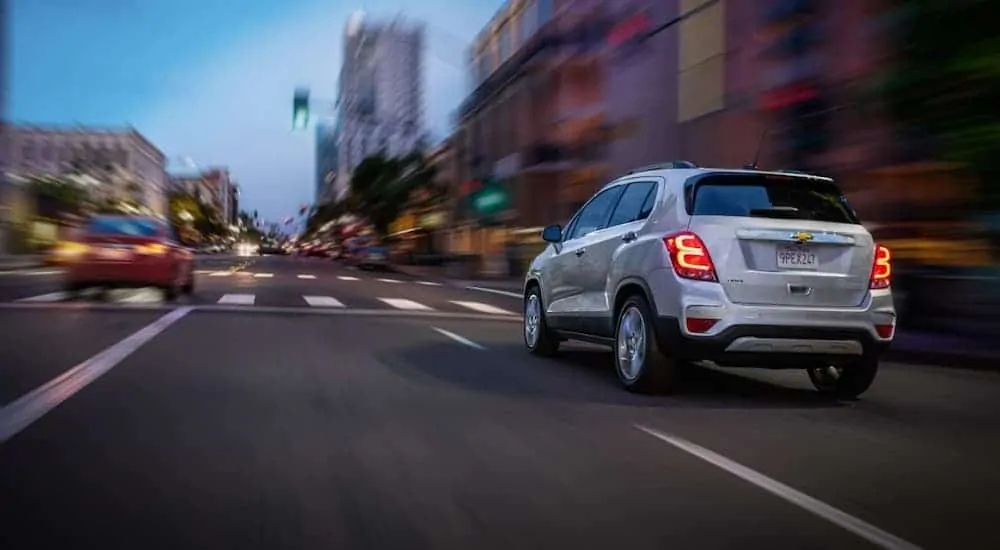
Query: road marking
x=306, y=276
x=460, y=339
x=220, y=273
x=495, y=291
x=30, y=407
x=347, y=278
x=838, y=517
x=402, y=303
x=428, y=283
x=482, y=308
x=33, y=273
x=142, y=296
x=50, y=297
x=389, y=280
x=263, y=275
x=237, y=299
x=322, y=301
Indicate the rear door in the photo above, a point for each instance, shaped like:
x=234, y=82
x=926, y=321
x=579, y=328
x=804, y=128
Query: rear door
x=781, y=239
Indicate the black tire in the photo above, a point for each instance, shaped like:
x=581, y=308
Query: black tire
x=854, y=378
x=547, y=343
x=658, y=372
x=188, y=287
x=73, y=290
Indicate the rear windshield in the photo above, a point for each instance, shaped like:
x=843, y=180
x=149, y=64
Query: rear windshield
x=124, y=227
x=762, y=196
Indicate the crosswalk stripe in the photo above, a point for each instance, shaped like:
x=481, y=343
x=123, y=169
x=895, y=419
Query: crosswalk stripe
x=220, y=273
x=402, y=303
x=482, y=308
x=263, y=275
x=428, y=283
x=306, y=276
x=347, y=278
x=389, y=280
x=322, y=301
x=237, y=299
x=50, y=297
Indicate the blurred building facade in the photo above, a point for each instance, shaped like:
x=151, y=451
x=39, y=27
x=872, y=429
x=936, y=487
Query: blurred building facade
x=327, y=161
x=532, y=129
x=381, y=97
x=120, y=162
x=212, y=186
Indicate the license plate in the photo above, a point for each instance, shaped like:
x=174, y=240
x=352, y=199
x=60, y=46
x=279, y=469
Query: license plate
x=113, y=254
x=797, y=257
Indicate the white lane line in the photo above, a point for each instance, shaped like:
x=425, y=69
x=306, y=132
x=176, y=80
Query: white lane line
x=263, y=275
x=389, y=280
x=306, y=276
x=21, y=413
x=402, y=303
x=347, y=278
x=482, y=308
x=495, y=291
x=142, y=296
x=237, y=299
x=203, y=271
x=460, y=339
x=220, y=273
x=322, y=301
x=428, y=283
x=838, y=517
x=34, y=273
x=50, y=297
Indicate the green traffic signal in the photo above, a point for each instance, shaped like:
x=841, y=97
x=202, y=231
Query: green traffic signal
x=300, y=109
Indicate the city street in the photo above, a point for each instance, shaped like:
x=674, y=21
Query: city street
x=296, y=403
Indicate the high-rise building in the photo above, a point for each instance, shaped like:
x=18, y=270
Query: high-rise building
x=381, y=99
x=327, y=157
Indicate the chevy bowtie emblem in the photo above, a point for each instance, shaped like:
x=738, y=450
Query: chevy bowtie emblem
x=802, y=236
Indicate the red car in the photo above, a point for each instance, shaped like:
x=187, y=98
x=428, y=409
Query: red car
x=129, y=251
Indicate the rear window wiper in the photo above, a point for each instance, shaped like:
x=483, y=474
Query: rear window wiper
x=774, y=211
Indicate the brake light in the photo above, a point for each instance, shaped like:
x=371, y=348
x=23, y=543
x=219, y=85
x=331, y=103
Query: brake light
x=152, y=249
x=690, y=258
x=881, y=268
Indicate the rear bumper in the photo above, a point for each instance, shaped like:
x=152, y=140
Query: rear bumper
x=770, y=346
x=151, y=272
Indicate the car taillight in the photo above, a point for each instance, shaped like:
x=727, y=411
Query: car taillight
x=690, y=258
x=881, y=268
x=152, y=249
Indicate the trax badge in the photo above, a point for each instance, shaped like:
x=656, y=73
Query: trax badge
x=802, y=236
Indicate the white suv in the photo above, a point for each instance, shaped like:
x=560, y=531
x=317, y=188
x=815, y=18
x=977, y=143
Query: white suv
x=672, y=264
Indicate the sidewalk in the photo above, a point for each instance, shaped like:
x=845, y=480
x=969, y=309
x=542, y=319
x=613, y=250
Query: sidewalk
x=21, y=261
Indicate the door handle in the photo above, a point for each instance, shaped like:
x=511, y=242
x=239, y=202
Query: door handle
x=630, y=236
x=580, y=252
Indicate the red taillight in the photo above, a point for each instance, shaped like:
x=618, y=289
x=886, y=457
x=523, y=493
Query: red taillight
x=885, y=331
x=690, y=258
x=881, y=268
x=695, y=325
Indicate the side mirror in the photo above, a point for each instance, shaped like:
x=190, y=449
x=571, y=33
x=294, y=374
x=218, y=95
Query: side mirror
x=552, y=234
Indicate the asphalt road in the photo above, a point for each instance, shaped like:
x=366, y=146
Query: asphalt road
x=293, y=423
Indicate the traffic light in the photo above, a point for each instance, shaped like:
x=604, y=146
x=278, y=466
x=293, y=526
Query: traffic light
x=300, y=109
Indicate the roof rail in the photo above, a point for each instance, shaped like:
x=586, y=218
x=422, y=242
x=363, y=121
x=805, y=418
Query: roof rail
x=672, y=165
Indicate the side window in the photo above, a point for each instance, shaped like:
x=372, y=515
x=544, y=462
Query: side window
x=647, y=207
x=630, y=207
x=595, y=214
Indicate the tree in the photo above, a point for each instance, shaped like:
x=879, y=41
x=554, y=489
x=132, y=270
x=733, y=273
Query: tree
x=947, y=82
x=383, y=187
x=63, y=194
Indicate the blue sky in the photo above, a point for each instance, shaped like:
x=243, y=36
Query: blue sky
x=205, y=80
